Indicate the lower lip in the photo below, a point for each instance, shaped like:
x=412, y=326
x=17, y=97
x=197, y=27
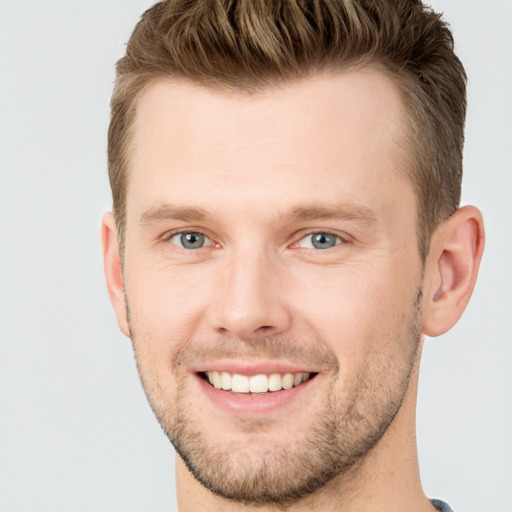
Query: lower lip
x=247, y=404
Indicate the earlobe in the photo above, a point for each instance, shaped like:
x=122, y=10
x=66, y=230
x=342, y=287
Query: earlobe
x=451, y=270
x=113, y=270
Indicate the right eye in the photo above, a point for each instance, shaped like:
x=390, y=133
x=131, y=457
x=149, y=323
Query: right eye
x=190, y=240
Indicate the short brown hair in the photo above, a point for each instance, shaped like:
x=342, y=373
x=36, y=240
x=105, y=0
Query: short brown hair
x=247, y=45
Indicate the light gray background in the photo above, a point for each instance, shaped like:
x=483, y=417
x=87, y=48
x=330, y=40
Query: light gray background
x=76, y=433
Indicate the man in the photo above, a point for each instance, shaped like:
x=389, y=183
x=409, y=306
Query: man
x=286, y=229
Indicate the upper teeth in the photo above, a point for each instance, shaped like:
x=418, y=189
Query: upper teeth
x=256, y=383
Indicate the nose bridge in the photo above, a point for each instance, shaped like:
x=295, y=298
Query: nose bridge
x=250, y=304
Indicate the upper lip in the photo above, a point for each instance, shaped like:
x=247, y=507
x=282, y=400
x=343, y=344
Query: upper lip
x=253, y=368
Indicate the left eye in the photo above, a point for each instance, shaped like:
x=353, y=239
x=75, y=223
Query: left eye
x=320, y=241
x=190, y=240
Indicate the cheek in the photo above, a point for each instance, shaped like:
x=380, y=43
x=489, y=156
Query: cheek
x=165, y=306
x=356, y=312
x=165, y=297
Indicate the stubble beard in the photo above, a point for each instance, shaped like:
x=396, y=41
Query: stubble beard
x=344, y=431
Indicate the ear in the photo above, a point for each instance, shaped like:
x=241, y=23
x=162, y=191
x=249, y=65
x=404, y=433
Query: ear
x=113, y=270
x=452, y=266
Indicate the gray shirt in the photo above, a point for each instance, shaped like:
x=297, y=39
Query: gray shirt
x=441, y=505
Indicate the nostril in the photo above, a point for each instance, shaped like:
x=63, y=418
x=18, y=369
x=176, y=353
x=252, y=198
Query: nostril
x=265, y=330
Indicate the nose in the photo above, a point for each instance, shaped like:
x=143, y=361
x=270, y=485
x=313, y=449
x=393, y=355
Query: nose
x=251, y=303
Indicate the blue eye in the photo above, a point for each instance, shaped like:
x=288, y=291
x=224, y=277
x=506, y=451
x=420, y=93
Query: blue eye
x=320, y=241
x=190, y=240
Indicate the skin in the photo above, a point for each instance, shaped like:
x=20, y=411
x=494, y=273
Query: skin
x=253, y=173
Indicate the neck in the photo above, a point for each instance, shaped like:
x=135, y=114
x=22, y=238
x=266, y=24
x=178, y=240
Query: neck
x=387, y=478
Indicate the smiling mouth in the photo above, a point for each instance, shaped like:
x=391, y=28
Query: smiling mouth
x=255, y=384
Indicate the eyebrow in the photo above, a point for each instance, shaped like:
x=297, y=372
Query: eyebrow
x=349, y=212
x=168, y=212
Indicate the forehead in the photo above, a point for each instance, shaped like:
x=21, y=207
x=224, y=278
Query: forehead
x=338, y=137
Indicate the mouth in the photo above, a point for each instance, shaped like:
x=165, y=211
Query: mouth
x=260, y=384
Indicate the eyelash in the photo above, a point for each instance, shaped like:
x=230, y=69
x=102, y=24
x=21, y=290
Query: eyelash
x=185, y=232
x=339, y=239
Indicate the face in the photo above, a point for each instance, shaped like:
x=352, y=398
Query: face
x=272, y=277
